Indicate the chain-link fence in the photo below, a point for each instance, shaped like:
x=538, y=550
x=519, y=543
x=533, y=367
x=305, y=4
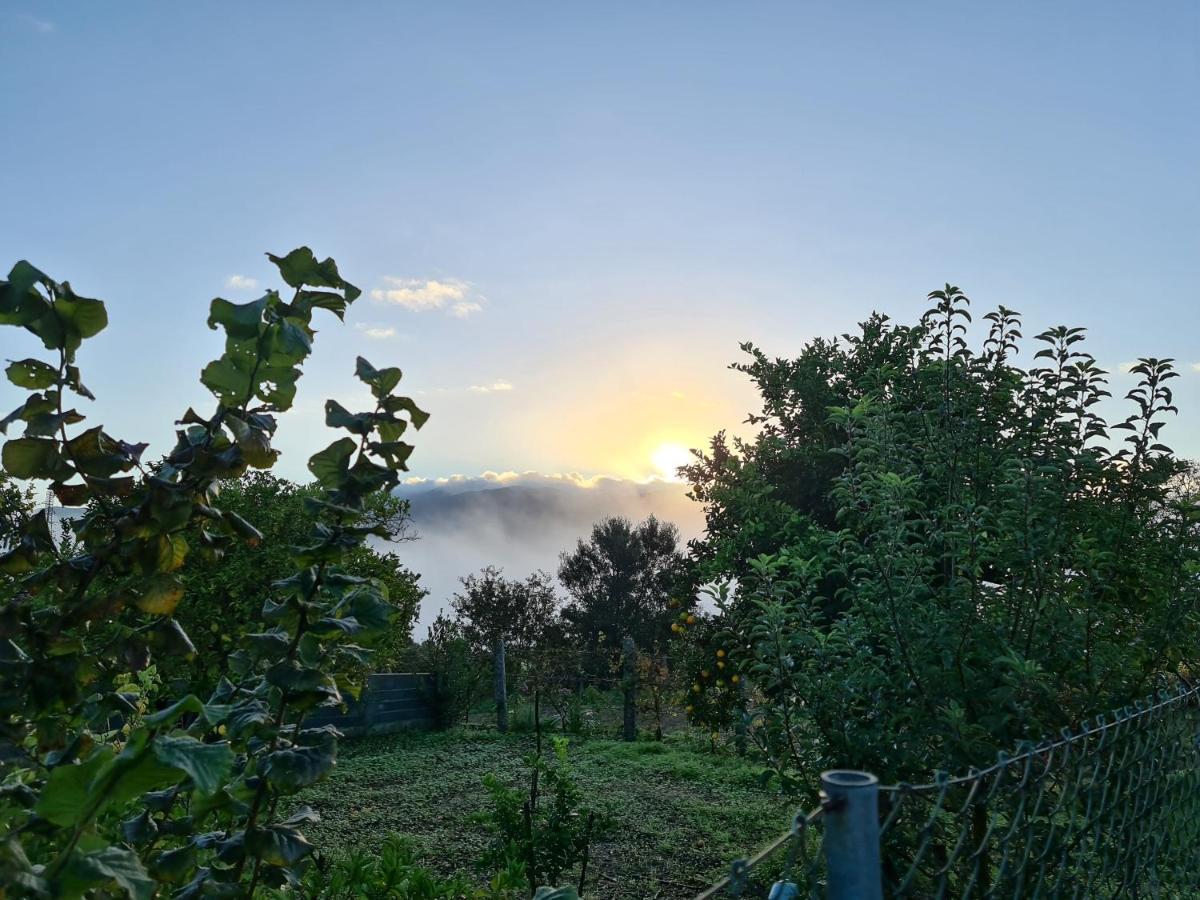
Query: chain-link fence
x=1109, y=810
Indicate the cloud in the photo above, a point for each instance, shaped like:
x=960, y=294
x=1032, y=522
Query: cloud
x=1196, y=367
x=41, y=26
x=376, y=332
x=458, y=298
x=493, y=388
x=1127, y=367
x=241, y=283
x=521, y=521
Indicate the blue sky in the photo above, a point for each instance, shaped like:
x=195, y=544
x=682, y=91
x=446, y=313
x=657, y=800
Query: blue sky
x=571, y=213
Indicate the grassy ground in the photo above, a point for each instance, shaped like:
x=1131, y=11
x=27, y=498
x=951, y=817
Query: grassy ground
x=682, y=812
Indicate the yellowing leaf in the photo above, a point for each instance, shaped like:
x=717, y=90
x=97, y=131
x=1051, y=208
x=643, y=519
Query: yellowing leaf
x=162, y=596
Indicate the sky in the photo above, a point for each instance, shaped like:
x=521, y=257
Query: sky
x=565, y=217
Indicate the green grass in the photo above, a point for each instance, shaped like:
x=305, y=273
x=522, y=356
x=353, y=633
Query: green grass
x=682, y=813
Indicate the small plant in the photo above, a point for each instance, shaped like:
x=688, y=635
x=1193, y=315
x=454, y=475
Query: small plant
x=548, y=829
x=394, y=872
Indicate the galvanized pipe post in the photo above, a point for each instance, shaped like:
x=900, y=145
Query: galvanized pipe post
x=851, y=825
x=501, y=685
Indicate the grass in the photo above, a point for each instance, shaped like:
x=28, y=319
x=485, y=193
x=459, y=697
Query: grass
x=682, y=812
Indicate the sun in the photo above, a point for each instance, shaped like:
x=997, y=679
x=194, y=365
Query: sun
x=668, y=458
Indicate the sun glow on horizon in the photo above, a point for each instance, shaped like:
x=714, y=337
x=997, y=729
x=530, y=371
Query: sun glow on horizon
x=667, y=459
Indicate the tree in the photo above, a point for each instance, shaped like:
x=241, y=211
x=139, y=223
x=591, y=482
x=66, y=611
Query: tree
x=16, y=507
x=491, y=607
x=941, y=552
x=99, y=798
x=622, y=581
x=226, y=598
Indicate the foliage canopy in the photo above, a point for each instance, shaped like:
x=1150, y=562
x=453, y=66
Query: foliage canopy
x=938, y=551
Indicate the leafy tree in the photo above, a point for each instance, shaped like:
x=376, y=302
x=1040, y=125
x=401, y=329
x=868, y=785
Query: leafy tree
x=99, y=799
x=622, y=581
x=461, y=672
x=16, y=507
x=938, y=552
x=224, y=599
x=490, y=607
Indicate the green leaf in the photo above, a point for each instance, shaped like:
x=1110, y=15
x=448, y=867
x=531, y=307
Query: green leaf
x=173, y=865
x=381, y=381
x=32, y=374
x=296, y=767
x=34, y=458
x=64, y=798
x=228, y=383
x=406, y=404
x=331, y=464
x=84, y=317
x=98, y=455
x=337, y=416
x=213, y=713
x=207, y=764
x=241, y=321
x=278, y=845
x=300, y=268
x=140, y=829
x=111, y=864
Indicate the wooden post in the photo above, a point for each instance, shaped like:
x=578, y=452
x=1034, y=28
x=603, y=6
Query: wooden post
x=629, y=651
x=501, y=686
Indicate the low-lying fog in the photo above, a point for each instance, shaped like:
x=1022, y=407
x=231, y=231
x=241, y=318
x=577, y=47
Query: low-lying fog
x=521, y=523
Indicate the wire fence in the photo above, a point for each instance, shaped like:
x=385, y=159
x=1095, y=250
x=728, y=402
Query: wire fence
x=1106, y=811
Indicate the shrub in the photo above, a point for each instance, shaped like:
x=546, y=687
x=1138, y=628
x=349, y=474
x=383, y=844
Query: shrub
x=548, y=828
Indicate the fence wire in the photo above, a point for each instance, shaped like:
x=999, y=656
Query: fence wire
x=1110, y=810
x=792, y=858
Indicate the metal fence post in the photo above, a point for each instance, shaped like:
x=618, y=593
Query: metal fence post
x=851, y=825
x=501, y=687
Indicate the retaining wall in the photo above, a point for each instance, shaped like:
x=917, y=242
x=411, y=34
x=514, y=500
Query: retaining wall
x=390, y=702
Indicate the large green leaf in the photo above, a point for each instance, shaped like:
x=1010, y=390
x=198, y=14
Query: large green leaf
x=34, y=458
x=63, y=800
x=278, y=845
x=331, y=464
x=296, y=767
x=118, y=865
x=300, y=268
x=207, y=764
x=31, y=373
x=240, y=320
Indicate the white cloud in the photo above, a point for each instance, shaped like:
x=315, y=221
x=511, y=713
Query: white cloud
x=494, y=387
x=458, y=298
x=241, y=283
x=1196, y=367
x=1127, y=366
x=376, y=332
x=41, y=26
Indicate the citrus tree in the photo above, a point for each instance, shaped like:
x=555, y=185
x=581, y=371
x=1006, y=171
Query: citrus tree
x=98, y=796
